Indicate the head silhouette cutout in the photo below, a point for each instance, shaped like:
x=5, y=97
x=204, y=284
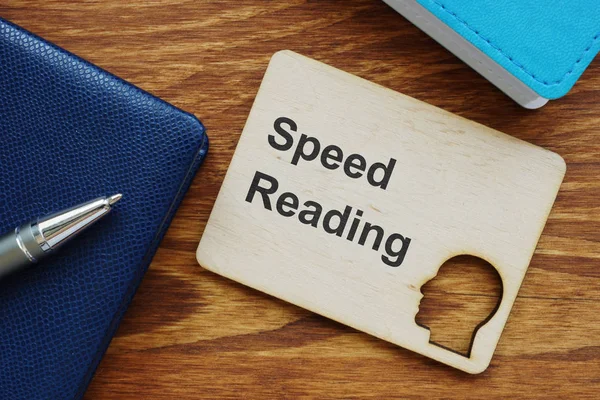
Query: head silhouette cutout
x=458, y=300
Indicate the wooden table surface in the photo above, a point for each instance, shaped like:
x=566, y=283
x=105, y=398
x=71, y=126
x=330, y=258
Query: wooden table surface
x=190, y=334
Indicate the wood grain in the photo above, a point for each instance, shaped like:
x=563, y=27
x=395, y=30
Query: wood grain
x=191, y=334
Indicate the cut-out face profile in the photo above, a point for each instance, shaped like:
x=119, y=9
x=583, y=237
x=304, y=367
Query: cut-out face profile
x=460, y=299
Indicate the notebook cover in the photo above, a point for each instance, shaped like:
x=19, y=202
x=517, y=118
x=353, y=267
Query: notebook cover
x=546, y=45
x=72, y=132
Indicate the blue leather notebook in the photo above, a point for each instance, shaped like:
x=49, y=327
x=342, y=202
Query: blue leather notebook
x=534, y=50
x=71, y=132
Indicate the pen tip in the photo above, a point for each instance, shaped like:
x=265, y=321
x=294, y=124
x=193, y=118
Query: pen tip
x=113, y=199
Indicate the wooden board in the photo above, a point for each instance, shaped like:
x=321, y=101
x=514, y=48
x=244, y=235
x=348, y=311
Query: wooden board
x=345, y=198
x=192, y=334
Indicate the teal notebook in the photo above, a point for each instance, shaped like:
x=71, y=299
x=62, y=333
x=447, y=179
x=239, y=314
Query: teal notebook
x=533, y=50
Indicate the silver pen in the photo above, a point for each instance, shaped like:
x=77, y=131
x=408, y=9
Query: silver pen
x=31, y=242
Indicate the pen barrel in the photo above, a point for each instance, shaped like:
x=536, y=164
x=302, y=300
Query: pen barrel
x=18, y=249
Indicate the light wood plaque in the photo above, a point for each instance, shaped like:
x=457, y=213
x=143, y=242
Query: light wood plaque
x=345, y=198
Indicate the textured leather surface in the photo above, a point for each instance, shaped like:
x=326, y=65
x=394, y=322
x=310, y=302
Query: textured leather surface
x=546, y=44
x=71, y=132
